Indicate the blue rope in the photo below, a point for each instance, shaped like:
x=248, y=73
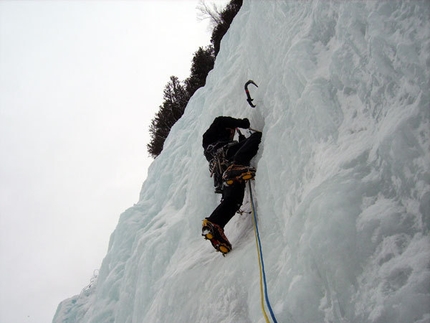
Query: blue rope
x=261, y=255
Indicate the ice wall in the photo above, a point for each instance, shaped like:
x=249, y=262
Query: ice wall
x=343, y=180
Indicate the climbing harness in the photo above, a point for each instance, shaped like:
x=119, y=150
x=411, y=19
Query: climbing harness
x=249, y=99
x=218, y=163
x=261, y=263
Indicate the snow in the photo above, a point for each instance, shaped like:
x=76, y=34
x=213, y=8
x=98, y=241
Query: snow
x=342, y=186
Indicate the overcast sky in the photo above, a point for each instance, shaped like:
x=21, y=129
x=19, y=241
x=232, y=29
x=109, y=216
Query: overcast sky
x=80, y=82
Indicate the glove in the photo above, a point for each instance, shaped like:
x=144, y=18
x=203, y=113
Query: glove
x=241, y=137
x=245, y=123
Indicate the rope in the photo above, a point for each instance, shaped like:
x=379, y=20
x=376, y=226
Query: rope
x=261, y=279
x=261, y=263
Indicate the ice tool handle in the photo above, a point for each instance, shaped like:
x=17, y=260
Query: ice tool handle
x=249, y=99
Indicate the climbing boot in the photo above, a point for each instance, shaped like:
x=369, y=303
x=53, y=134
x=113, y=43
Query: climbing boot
x=237, y=173
x=215, y=234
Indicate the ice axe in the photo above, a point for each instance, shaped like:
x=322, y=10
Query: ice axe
x=249, y=99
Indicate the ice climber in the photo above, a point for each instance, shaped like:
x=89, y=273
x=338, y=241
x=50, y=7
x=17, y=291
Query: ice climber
x=229, y=164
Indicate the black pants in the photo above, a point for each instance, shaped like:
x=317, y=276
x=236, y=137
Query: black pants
x=243, y=152
x=232, y=196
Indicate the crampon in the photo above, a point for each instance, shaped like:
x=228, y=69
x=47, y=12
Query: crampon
x=237, y=173
x=215, y=234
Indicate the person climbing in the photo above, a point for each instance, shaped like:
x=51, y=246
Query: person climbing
x=229, y=163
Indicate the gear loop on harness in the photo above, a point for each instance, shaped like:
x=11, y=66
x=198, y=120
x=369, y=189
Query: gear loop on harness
x=218, y=161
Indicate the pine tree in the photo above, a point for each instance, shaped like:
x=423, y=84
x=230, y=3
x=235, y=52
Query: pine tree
x=226, y=18
x=176, y=94
x=175, y=100
x=203, y=63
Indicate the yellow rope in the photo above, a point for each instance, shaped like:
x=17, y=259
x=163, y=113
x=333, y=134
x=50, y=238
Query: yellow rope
x=259, y=265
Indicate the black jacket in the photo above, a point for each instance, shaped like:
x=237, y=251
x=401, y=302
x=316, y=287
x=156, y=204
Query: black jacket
x=221, y=130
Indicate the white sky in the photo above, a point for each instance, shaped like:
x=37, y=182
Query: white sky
x=80, y=82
